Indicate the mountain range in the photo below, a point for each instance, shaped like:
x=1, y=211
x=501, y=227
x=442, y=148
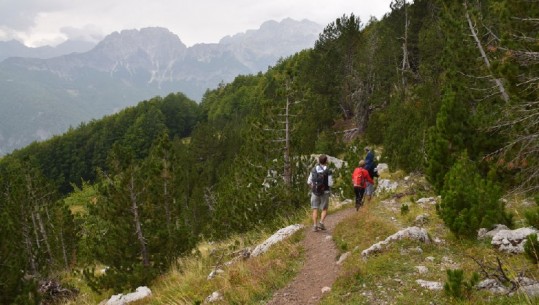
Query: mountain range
x=43, y=96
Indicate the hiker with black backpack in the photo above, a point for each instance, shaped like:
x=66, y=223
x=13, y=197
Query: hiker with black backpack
x=320, y=180
x=360, y=179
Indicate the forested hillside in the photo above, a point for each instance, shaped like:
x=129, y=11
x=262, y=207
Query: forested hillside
x=448, y=88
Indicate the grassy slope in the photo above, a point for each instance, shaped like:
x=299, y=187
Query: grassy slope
x=390, y=277
x=386, y=278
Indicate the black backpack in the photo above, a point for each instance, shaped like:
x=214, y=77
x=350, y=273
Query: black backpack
x=373, y=172
x=320, y=181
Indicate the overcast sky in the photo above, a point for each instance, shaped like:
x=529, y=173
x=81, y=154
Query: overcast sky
x=50, y=22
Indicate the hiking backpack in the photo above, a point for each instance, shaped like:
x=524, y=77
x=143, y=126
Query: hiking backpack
x=361, y=181
x=319, y=181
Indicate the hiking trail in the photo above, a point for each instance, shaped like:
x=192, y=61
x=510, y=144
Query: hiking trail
x=320, y=268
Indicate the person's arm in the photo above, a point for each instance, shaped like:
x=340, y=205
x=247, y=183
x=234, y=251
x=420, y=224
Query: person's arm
x=369, y=177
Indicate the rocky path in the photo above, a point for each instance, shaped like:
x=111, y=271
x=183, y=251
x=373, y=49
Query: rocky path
x=320, y=269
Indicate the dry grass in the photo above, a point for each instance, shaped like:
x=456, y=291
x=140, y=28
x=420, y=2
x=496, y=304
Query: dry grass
x=244, y=282
x=390, y=277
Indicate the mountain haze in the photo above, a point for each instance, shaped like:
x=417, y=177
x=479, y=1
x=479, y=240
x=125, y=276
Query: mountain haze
x=43, y=97
x=14, y=48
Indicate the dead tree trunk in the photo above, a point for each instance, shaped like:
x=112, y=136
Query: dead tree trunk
x=497, y=81
x=405, y=60
x=136, y=219
x=287, y=174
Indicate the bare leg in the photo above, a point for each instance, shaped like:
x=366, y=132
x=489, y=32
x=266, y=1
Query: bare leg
x=323, y=215
x=315, y=216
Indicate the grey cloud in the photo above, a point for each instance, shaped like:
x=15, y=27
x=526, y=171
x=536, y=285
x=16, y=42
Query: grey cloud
x=89, y=33
x=20, y=15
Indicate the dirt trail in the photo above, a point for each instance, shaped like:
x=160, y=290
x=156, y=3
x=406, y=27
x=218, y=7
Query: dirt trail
x=320, y=269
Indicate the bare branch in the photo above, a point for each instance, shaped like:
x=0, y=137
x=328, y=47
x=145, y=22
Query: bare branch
x=498, y=82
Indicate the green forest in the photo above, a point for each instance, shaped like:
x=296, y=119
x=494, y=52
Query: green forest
x=449, y=89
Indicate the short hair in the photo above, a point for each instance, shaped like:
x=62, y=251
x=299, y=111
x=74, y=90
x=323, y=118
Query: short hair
x=361, y=163
x=323, y=159
x=367, y=148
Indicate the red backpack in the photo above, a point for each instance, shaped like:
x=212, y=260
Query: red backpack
x=360, y=179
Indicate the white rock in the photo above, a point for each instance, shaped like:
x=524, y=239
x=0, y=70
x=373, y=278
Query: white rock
x=438, y=241
x=512, y=241
x=382, y=167
x=530, y=290
x=414, y=233
x=484, y=233
x=421, y=219
x=386, y=185
x=343, y=257
x=493, y=286
x=214, y=273
x=121, y=299
x=421, y=269
x=275, y=238
x=429, y=200
x=430, y=285
x=326, y=289
x=214, y=297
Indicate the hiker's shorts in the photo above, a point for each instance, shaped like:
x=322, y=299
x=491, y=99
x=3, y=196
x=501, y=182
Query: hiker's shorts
x=369, y=190
x=320, y=202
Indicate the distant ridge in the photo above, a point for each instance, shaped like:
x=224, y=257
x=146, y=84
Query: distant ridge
x=43, y=97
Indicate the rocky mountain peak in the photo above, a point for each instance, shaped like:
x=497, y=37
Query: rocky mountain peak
x=152, y=40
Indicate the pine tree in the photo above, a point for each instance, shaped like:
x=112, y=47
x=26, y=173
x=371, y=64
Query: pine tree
x=470, y=202
x=168, y=235
x=447, y=139
x=119, y=239
x=37, y=231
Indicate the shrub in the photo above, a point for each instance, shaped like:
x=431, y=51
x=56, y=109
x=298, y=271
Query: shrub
x=531, y=248
x=404, y=209
x=470, y=202
x=532, y=216
x=457, y=287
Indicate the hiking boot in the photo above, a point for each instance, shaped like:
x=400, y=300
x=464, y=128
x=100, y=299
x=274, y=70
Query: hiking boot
x=321, y=226
x=315, y=229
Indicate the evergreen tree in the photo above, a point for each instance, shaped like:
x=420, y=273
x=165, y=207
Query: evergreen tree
x=447, y=139
x=119, y=238
x=37, y=232
x=470, y=202
x=168, y=236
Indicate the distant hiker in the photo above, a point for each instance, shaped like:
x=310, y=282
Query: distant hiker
x=369, y=160
x=360, y=180
x=320, y=180
x=370, y=166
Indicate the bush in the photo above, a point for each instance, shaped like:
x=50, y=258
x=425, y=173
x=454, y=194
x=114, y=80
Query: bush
x=531, y=248
x=470, y=202
x=532, y=216
x=457, y=287
x=404, y=209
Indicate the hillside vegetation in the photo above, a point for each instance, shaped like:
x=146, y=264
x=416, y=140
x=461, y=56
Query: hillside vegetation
x=447, y=88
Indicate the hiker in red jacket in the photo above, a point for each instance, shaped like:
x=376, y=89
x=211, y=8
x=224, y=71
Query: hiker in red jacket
x=360, y=177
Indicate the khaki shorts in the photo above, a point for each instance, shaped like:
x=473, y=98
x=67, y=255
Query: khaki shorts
x=320, y=202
